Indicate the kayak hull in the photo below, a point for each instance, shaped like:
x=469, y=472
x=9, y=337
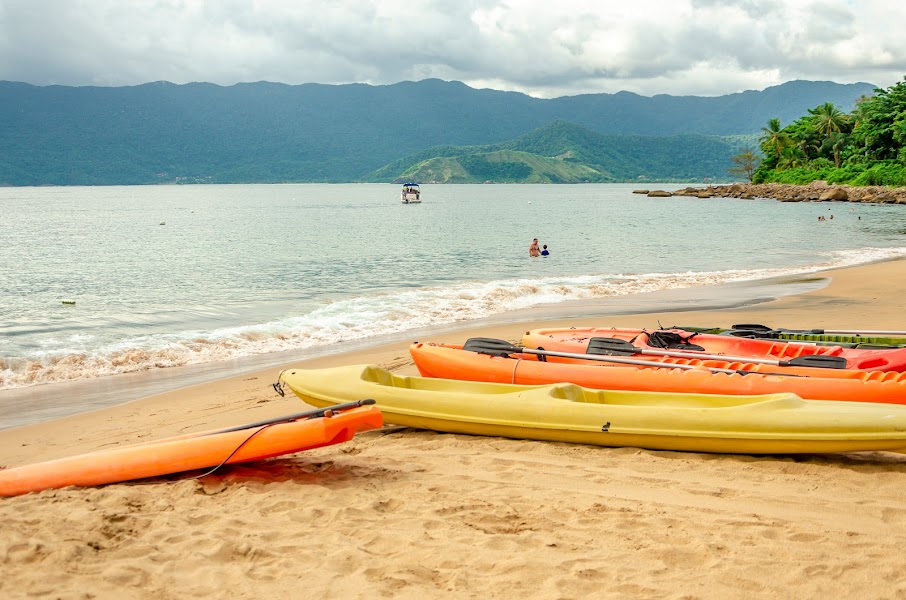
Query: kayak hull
x=767, y=424
x=189, y=452
x=576, y=340
x=450, y=361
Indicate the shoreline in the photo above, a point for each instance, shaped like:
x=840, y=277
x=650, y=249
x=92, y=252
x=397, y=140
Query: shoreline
x=406, y=513
x=40, y=403
x=865, y=296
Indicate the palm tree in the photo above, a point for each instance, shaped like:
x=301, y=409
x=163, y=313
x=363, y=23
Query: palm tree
x=808, y=142
x=774, y=137
x=792, y=157
x=828, y=119
x=838, y=140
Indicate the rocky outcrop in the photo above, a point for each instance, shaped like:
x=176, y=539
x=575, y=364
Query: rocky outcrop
x=817, y=191
x=836, y=194
x=659, y=194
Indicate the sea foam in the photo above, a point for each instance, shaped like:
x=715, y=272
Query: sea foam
x=363, y=316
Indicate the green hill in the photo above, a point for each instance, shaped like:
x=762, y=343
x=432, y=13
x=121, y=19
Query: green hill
x=563, y=152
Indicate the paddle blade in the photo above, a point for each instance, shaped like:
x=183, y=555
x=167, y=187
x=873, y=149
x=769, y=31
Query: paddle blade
x=750, y=333
x=817, y=360
x=751, y=327
x=611, y=347
x=490, y=346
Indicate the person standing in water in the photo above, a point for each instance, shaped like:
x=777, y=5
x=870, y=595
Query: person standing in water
x=533, y=249
x=544, y=251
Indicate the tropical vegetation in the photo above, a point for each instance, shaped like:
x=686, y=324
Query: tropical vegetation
x=866, y=146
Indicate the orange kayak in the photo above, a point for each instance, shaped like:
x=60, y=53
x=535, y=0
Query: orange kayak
x=449, y=361
x=577, y=339
x=255, y=441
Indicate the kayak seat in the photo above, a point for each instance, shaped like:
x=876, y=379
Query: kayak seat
x=670, y=340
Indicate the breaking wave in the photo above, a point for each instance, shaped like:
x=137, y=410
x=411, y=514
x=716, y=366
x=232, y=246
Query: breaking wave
x=364, y=316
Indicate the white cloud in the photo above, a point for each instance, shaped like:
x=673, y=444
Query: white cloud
x=566, y=47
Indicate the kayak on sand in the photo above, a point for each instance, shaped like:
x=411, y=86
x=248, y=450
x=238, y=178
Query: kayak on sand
x=451, y=361
x=255, y=441
x=577, y=340
x=765, y=424
x=854, y=339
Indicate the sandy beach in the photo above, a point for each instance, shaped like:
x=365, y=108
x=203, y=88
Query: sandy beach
x=402, y=513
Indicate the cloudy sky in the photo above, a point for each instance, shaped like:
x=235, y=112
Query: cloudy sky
x=545, y=48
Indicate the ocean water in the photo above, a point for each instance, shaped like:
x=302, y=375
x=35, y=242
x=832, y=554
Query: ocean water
x=183, y=275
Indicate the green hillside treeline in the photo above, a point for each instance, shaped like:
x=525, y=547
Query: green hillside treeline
x=866, y=146
x=563, y=152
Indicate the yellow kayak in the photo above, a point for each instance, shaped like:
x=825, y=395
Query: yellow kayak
x=564, y=412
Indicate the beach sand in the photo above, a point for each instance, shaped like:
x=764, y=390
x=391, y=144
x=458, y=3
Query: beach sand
x=402, y=513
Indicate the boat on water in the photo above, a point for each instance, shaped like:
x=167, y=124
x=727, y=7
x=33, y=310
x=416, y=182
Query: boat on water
x=577, y=339
x=244, y=443
x=451, y=361
x=411, y=193
x=563, y=412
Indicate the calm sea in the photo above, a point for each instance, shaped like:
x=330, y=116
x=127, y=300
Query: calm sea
x=177, y=275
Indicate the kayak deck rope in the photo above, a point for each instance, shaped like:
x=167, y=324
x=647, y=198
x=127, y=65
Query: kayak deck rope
x=515, y=366
x=211, y=470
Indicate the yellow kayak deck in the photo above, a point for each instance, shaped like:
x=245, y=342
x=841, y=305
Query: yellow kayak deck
x=765, y=424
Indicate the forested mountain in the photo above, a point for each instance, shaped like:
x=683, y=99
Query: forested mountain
x=267, y=132
x=563, y=152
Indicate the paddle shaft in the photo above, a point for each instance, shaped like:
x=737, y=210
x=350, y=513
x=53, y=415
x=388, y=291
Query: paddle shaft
x=625, y=361
x=890, y=332
x=765, y=328
x=309, y=414
x=681, y=354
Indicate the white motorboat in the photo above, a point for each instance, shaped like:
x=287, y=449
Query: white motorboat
x=411, y=194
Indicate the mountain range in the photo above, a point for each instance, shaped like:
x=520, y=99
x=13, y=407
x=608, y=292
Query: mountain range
x=268, y=132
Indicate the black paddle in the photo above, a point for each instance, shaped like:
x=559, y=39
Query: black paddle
x=765, y=328
x=613, y=346
x=752, y=327
x=494, y=347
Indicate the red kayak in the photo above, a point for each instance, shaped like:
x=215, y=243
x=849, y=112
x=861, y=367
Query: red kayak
x=577, y=340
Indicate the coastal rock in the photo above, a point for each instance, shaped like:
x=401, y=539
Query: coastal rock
x=659, y=194
x=816, y=191
x=836, y=194
x=639, y=191
x=694, y=192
